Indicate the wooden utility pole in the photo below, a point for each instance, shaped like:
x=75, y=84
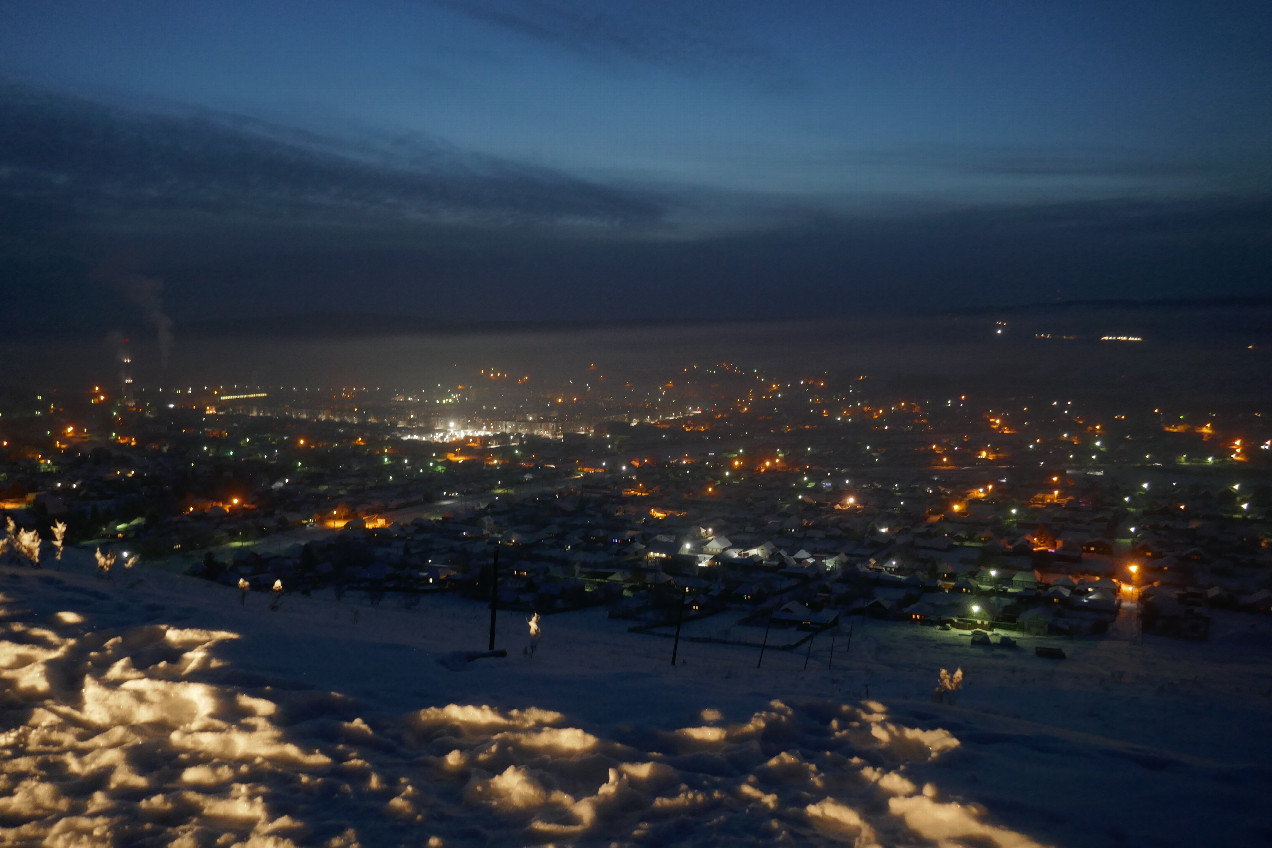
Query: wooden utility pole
x=764, y=644
x=494, y=595
x=680, y=617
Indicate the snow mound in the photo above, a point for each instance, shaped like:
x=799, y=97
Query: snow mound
x=118, y=745
x=232, y=729
x=133, y=733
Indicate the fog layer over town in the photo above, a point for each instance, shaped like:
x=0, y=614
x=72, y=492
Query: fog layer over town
x=1199, y=350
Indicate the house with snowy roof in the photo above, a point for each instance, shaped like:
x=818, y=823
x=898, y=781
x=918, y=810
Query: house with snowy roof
x=716, y=544
x=1023, y=581
x=793, y=613
x=764, y=551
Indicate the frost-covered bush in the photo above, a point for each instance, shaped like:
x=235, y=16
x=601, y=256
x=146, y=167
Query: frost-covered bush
x=59, y=534
x=27, y=543
x=104, y=562
x=947, y=687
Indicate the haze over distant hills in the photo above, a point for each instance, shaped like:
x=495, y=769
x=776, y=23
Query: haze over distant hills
x=1227, y=314
x=1194, y=349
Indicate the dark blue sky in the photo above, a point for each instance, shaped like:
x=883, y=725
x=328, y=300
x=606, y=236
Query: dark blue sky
x=572, y=159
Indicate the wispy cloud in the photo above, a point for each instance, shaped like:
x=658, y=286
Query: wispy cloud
x=1131, y=165
x=1035, y=162
x=100, y=157
x=683, y=37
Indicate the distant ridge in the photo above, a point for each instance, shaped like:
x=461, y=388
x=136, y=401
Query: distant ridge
x=1126, y=304
x=361, y=324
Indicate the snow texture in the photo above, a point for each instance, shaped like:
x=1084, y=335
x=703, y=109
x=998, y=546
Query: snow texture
x=161, y=711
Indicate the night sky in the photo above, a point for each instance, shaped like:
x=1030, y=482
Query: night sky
x=192, y=165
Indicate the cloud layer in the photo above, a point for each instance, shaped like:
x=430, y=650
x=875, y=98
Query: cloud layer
x=238, y=218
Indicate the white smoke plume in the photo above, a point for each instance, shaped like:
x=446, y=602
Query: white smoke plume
x=145, y=293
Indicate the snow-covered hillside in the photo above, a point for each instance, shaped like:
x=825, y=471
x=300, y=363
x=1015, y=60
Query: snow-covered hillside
x=155, y=709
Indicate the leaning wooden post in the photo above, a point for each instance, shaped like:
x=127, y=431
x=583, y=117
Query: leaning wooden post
x=494, y=596
x=680, y=617
x=764, y=644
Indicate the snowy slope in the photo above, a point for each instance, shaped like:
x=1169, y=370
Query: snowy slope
x=155, y=709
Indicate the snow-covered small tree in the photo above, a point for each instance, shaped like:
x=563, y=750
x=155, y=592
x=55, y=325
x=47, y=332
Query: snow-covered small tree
x=535, y=632
x=947, y=687
x=104, y=562
x=59, y=535
x=27, y=543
